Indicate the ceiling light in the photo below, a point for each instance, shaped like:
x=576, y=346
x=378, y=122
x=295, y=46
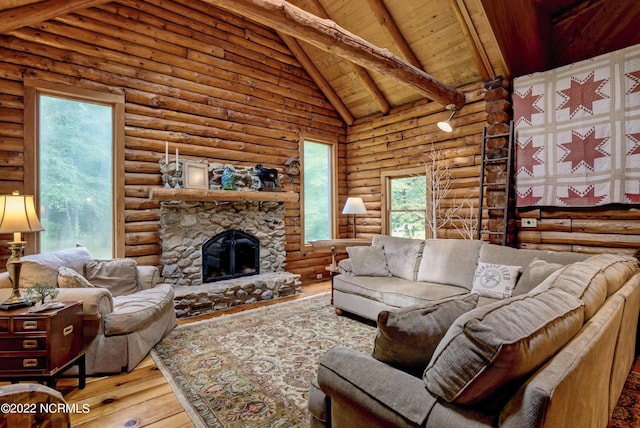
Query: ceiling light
x=446, y=125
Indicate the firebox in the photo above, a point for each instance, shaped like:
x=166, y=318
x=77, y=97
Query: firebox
x=230, y=254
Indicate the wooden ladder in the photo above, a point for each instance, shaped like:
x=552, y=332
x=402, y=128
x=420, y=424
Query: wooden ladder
x=498, y=158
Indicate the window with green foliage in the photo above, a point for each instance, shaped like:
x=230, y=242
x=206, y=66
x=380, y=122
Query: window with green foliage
x=318, y=191
x=407, y=206
x=75, y=158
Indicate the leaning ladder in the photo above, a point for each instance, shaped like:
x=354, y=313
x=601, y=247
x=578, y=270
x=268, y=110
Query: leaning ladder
x=500, y=160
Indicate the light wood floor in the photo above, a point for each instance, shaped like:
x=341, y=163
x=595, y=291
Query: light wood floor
x=142, y=398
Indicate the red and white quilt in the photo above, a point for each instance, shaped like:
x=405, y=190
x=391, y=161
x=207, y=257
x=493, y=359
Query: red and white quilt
x=578, y=133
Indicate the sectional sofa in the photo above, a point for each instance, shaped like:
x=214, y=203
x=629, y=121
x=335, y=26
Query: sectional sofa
x=472, y=334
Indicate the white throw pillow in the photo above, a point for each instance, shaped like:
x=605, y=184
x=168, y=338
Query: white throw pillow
x=368, y=261
x=493, y=280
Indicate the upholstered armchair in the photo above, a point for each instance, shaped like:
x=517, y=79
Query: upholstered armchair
x=37, y=398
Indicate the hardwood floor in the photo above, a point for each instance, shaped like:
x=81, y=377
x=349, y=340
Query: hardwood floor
x=143, y=398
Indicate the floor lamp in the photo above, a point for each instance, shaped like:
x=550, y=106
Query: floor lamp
x=354, y=206
x=17, y=215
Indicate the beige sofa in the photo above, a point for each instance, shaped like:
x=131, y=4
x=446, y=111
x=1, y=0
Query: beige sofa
x=554, y=354
x=126, y=311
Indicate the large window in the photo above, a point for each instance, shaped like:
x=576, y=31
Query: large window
x=405, y=204
x=76, y=178
x=318, y=192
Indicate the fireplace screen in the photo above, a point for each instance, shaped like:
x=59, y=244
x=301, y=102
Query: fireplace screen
x=230, y=254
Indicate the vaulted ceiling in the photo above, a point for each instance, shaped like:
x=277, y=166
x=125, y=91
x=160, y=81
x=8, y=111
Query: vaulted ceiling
x=369, y=56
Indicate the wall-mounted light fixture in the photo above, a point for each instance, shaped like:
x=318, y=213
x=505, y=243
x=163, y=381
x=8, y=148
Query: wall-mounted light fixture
x=446, y=125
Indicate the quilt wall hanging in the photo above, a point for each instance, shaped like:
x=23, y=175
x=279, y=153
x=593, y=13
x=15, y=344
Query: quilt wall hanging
x=578, y=133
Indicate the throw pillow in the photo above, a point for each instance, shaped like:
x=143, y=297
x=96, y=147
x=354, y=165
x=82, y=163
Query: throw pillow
x=402, y=254
x=120, y=276
x=535, y=272
x=449, y=261
x=368, y=261
x=69, y=278
x=44, y=267
x=407, y=337
x=492, y=280
x=489, y=351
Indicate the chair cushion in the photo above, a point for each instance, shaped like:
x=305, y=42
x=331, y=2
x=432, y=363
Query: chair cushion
x=44, y=267
x=368, y=261
x=449, y=261
x=120, y=276
x=69, y=278
x=135, y=311
x=403, y=255
x=488, y=351
x=497, y=281
x=407, y=337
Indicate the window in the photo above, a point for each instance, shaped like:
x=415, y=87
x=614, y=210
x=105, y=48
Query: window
x=318, y=191
x=405, y=203
x=76, y=178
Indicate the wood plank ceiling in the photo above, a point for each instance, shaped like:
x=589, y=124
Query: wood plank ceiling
x=453, y=42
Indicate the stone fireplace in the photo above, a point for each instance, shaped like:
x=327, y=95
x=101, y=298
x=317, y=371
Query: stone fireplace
x=194, y=237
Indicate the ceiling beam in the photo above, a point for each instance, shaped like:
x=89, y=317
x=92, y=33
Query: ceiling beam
x=330, y=37
x=23, y=16
x=387, y=22
x=317, y=77
x=361, y=74
x=473, y=39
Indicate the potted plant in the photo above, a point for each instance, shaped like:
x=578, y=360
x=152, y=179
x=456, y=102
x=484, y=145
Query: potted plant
x=38, y=293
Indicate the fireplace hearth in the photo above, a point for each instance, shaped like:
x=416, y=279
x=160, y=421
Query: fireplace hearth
x=230, y=254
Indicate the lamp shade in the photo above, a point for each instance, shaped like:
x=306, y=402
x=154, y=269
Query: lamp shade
x=18, y=214
x=446, y=124
x=354, y=206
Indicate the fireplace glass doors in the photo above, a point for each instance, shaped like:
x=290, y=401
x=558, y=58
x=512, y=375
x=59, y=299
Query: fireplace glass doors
x=230, y=254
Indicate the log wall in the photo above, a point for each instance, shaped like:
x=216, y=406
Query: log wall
x=214, y=85
x=403, y=140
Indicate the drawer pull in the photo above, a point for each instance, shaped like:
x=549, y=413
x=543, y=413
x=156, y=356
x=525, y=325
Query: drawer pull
x=67, y=330
x=30, y=325
x=29, y=363
x=29, y=344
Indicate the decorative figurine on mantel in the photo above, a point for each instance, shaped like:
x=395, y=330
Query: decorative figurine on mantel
x=228, y=178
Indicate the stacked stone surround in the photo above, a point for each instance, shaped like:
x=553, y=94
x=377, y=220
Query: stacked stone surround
x=186, y=226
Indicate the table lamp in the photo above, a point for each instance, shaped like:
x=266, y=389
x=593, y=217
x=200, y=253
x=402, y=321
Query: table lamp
x=17, y=215
x=354, y=206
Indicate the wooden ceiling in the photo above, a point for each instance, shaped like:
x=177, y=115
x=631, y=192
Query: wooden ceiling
x=386, y=52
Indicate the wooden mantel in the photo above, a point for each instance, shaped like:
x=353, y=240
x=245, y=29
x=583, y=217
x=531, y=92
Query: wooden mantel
x=202, y=195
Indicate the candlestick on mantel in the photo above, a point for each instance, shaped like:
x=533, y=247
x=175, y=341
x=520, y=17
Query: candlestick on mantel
x=176, y=158
x=166, y=153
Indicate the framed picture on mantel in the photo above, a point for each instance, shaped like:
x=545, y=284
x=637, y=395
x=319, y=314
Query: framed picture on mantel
x=196, y=175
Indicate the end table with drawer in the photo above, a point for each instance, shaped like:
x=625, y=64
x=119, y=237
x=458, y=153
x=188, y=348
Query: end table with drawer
x=41, y=345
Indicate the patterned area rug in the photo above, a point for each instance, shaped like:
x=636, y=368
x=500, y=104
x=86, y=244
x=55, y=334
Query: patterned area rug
x=627, y=411
x=254, y=368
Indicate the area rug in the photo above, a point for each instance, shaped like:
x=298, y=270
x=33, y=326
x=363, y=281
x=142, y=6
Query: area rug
x=627, y=412
x=254, y=368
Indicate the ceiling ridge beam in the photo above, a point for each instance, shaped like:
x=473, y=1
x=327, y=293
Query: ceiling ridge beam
x=329, y=36
x=23, y=16
x=389, y=24
x=317, y=77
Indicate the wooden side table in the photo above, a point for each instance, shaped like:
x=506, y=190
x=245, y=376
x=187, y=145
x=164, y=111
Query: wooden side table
x=335, y=246
x=41, y=345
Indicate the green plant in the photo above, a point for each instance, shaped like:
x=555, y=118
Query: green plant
x=40, y=291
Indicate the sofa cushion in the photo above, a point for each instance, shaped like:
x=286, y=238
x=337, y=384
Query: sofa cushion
x=534, y=274
x=449, y=261
x=368, y=261
x=488, y=350
x=135, y=311
x=69, y=278
x=407, y=337
x=44, y=267
x=120, y=276
x=403, y=255
x=497, y=281
x=592, y=279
